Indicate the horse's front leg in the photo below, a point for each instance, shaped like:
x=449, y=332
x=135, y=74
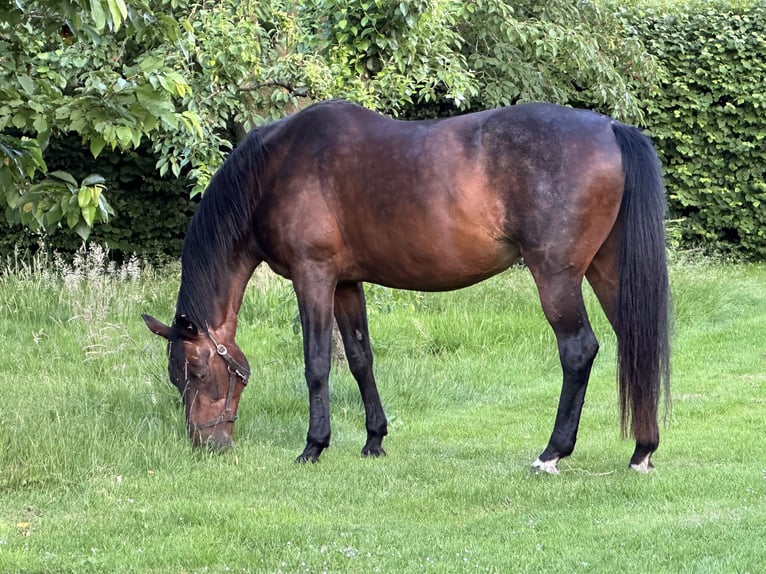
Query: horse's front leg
x=315, y=291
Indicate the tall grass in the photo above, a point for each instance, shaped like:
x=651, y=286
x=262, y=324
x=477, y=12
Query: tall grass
x=96, y=473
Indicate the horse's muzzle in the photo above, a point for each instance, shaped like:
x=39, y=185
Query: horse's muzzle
x=216, y=440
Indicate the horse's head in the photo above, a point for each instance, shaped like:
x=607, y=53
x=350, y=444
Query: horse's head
x=210, y=377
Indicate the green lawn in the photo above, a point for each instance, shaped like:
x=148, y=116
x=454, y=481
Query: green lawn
x=96, y=474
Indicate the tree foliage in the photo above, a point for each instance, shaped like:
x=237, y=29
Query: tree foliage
x=187, y=76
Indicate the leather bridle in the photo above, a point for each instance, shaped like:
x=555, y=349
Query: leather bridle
x=236, y=371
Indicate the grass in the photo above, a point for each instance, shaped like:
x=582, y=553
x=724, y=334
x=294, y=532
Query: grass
x=96, y=474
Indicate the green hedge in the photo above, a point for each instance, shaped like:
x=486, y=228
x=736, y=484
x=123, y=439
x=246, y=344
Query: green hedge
x=708, y=119
x=151, y=212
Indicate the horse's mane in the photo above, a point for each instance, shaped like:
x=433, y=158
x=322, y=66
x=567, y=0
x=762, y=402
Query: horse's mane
x=219, y=227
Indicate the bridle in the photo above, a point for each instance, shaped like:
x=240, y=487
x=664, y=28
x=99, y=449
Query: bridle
x=236, y=371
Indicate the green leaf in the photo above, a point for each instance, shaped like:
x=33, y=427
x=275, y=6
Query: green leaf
x=167, y=83
x=89, y=214
x=97, y=144
x=64, y=176
x=52, y=217
x=83, y=198
x=19, y=121
x=12, y=196
x=98, y=15
x=119, y=12
x=93, y=179
x=179, y=82
x=82, y=229
x=151, y=63
x=27, y=84
x=123, y=8
x=124, y=135
x=104, y=208
x=72, y=216
x=40, y=124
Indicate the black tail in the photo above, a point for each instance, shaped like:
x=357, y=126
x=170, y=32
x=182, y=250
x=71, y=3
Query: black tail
x=643, y=348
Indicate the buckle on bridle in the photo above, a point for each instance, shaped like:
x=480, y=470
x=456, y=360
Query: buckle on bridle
x=232, y=365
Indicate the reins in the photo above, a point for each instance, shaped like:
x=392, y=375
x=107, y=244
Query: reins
x=236, y=370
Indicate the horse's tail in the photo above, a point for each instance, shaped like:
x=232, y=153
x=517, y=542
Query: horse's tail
x=643, y=348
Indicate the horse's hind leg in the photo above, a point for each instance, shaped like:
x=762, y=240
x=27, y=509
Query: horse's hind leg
x=351, y=315
x=603, y=276
x=561, y=298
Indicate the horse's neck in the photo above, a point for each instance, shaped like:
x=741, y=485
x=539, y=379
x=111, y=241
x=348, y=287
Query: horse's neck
x=221, y=307
x=236, y=293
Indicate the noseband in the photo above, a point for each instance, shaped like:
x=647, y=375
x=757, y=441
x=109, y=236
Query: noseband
x=236, y=370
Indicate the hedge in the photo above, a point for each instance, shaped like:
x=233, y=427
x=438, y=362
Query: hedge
x=708, y=119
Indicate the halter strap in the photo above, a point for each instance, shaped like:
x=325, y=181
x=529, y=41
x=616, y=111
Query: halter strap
x=236, y=370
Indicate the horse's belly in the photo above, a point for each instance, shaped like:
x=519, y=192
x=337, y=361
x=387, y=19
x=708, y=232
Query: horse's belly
x=434, y=263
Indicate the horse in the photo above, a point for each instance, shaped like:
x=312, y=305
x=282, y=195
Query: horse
x=336, y=195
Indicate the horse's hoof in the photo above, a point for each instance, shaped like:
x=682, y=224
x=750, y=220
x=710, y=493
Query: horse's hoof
x=373, y=452
x=308, y=455
x=644, y=467
x=548, y=466
x=304, y=459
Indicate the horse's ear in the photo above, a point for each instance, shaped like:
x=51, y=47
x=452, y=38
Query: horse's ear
x=156, y=327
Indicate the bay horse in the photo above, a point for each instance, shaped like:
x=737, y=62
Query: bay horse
x=336, y=195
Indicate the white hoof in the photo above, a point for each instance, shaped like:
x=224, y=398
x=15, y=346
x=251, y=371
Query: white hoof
x=548, y=466
x=644, y=467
